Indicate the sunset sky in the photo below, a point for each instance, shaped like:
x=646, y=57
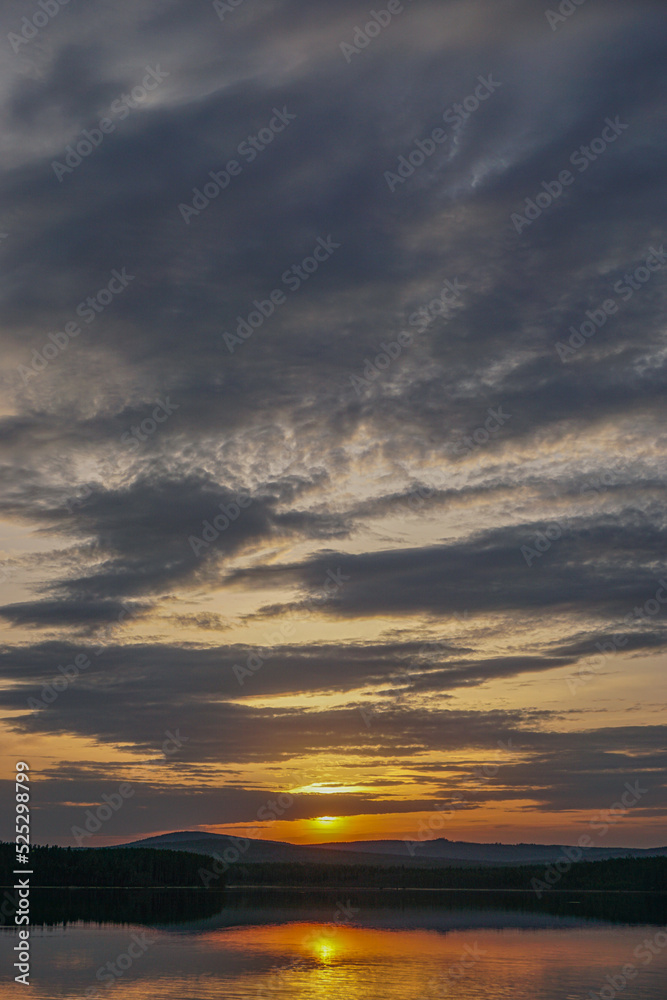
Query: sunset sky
x=332, y=418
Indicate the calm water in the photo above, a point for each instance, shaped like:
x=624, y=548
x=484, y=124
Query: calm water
x=391, y=946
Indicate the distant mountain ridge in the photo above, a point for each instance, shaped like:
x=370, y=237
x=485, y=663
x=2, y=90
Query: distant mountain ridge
x=247, y=850
x=497, y=853
x=429, y=853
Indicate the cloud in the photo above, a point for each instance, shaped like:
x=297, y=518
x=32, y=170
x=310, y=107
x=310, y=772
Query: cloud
x=599, y=567
x=159, y=532
x=526, y=539
x=77, y=613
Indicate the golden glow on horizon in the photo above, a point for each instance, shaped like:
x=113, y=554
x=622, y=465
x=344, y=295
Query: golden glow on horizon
x=328, y=822
x=490, y=823
x=319, y=788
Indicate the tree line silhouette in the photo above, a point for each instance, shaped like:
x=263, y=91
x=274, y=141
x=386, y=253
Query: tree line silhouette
x=115, y=867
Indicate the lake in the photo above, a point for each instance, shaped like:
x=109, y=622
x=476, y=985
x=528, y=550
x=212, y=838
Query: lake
x=316, y=945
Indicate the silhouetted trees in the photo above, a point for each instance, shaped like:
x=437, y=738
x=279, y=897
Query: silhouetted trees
x=108, y=866
x=626, y=874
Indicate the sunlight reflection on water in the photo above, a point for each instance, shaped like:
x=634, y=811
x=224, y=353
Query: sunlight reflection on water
x=302, y=960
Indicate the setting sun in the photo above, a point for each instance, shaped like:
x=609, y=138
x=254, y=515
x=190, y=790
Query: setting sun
x=327, y=821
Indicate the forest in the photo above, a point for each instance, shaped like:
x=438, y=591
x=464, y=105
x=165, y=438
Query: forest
x=113, y=867
x=617, y=874
x=132, y=867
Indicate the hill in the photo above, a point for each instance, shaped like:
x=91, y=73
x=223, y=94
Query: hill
x=273, y=851
x=462, y=851
x=415, y=854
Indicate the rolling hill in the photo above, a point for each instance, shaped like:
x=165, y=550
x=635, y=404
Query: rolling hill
x=432, y=853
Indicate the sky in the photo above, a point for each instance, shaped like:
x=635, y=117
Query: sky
x=332, y=419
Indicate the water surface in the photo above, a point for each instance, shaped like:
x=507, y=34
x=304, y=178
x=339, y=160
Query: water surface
x=326, y=945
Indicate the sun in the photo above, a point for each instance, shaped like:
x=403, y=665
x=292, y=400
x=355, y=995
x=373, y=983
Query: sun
x=327, y=821
x=325, y=828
